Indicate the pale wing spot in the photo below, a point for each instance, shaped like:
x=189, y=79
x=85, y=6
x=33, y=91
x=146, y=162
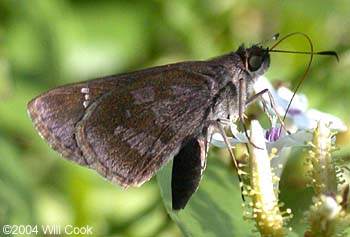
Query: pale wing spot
x=86, y=91
x=86, y=104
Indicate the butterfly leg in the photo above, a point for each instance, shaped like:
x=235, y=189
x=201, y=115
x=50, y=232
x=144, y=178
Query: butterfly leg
x=218, y=125
x=242, y=103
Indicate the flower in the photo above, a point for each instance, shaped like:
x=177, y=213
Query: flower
x=321, y=164
x=326, y=217
x=301, y=117
x=265, y=207
x=275, y=137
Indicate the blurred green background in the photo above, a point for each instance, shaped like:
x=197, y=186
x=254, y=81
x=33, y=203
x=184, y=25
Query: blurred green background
x=47, y=43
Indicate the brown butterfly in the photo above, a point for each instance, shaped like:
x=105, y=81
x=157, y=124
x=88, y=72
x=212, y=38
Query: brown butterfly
x=126, y=127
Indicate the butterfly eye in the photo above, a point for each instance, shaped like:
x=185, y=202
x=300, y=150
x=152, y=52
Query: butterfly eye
x=255, y=62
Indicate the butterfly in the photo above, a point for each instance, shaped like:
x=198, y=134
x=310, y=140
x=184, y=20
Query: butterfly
x=127, y=126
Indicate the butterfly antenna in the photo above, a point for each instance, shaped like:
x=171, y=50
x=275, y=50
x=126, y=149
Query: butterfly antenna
x=273, y=38
x=307, y=69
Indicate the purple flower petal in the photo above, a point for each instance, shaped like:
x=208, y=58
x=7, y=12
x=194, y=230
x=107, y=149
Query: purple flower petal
x=294, y=112
x=273, y=134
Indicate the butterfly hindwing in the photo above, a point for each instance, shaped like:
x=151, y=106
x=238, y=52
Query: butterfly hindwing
x=188, y=167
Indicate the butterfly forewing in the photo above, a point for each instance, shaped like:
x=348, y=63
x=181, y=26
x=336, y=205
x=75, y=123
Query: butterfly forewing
x=56, y=112
x=130, y=132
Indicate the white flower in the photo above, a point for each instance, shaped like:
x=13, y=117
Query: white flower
x=299, y=114
x=274, y=138
x=268, y=217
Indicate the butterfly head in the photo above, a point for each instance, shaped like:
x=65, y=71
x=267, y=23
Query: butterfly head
x=256, y=59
